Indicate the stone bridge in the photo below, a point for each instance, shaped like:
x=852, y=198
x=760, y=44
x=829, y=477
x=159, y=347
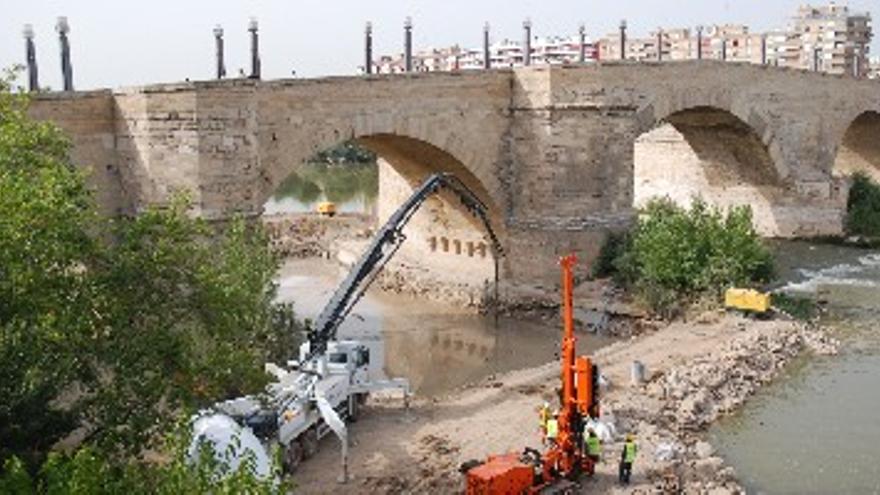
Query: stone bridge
x=561, y=154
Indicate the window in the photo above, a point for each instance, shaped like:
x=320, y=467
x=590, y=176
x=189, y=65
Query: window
x=338, y=358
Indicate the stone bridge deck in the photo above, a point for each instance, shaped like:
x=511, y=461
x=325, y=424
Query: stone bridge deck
x=555, y=151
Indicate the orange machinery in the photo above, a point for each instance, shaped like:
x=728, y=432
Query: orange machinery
x=558, y=469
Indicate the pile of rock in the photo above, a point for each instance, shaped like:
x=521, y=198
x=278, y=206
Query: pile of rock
x=689, y=397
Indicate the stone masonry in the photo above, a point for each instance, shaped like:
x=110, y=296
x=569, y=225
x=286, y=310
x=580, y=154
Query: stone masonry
x=560, y=154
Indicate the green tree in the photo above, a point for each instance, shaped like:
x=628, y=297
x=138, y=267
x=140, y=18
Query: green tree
x=117, y=327
x=674, y=255
x=863, y=207
x=45, y=293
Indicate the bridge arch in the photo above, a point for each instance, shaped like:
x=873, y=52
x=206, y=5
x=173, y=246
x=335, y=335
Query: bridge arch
x=709, y=152
x=859, y=146
x=446, y=251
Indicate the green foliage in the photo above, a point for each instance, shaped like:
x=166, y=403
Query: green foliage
x=118, y=325
x=45, y=212
x=336, y=183
x=674, y=255
x=348, y=152
x=799, y=308
x=863, y=207
x=89, y=471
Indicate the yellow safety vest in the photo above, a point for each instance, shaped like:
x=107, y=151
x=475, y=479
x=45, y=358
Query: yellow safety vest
x=594, y=447
x=544, y=415
x=630, y=451
x=552, y=428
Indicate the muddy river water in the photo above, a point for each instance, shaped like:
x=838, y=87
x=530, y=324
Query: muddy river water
x=438, y=347
x=817, y=429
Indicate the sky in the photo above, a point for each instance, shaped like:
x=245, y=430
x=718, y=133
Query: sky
x=125, y=43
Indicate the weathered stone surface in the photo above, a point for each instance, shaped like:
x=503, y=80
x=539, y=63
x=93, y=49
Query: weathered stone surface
x=551, y=150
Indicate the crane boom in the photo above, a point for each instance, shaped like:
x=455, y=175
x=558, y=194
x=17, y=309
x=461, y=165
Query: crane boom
x=382, y=248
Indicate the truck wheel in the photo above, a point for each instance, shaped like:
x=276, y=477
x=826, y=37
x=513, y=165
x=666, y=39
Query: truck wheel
x=293, y=456
x=310, y=443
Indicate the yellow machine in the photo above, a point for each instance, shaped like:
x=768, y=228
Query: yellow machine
x=747, y=300
x=326, y=208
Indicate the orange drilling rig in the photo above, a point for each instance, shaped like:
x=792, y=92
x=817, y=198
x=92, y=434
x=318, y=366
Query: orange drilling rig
x=559, y=468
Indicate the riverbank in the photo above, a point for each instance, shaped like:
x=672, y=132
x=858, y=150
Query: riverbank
x=697, y=371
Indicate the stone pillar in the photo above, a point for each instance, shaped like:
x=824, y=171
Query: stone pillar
x=487, y=58
x=407, y=44
x=368, y=49
x=623, y=39
x=218, y=42
x=582, y=56
x=66, y=67
x=31, y=57
x=255, y=49
x=699, y=42
x=527, y=42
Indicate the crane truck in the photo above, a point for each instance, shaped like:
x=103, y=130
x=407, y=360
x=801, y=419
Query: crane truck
x=323, y=389
x=558, y=469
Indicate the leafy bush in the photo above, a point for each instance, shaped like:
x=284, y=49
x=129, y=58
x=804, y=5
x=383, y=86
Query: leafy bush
x=799, y=308
x=674, y=255
x=348, y=152
x=116, y=326
x=863, y=207
x=89, y=471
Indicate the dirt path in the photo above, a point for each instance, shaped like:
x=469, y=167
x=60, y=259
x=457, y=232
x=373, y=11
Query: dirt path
x=697, y=371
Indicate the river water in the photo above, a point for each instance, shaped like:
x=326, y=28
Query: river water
x=438, y=347
x=817, y=429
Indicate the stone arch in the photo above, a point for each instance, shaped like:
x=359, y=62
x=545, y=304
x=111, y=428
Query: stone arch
x=712, y=153
x=723, y=100
x=287, y=143
x=432, y=259
x=859, y=147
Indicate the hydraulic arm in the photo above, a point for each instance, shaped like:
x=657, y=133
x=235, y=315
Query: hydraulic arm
x=382, y=248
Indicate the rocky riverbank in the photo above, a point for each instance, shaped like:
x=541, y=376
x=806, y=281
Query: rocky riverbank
x=697, y=371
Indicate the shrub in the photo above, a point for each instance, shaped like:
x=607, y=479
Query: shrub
x=674, y=255
x=863, y=207
x=91, y=472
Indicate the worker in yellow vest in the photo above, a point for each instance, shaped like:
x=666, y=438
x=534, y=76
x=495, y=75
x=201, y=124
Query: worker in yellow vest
x=594, y=450
x=552, y=429
x=544, y=415
x=627, y=458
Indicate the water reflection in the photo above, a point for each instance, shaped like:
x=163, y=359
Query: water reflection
x=353, y=188
x=436, y=346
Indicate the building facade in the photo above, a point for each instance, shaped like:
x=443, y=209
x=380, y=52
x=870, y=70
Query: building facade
x=828, y=38
x=553, y=50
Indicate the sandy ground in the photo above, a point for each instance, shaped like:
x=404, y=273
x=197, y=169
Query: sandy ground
x=697, y=371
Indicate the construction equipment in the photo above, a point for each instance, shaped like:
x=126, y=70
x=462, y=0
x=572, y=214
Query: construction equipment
x=326, y=208
x=558, y=469
x=747, y=300
x=324, y=388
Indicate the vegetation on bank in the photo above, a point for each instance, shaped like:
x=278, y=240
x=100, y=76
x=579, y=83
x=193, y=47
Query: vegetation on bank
x=863, y=207
x=674, y=256
x=346, y=153
x=112, y=330
x=339, y=184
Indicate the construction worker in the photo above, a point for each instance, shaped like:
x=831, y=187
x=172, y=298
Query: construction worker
x=544, y=415
x=552, y=428
x=627, y=457
x=594, y=449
